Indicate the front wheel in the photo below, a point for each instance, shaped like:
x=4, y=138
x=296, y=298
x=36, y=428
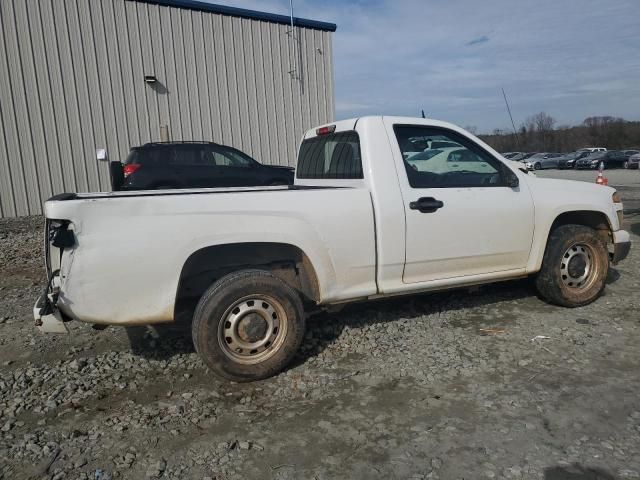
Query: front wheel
x=537, y=166
x=248, y=325
x=574, y=267
x=625, y=164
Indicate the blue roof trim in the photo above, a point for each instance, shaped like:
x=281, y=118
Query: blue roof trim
x=244, y=13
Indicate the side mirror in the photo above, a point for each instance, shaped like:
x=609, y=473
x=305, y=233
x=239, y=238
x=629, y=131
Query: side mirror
x=511, y=178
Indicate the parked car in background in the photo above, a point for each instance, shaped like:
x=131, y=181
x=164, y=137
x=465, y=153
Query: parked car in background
x=610, y=159
x=511, y=155
x=522, y=156
x=569, y=160
x=593, y=149
x=543, y=160
x=592, y=160
x=168, y=165
x=627, y=154
x=634, y=161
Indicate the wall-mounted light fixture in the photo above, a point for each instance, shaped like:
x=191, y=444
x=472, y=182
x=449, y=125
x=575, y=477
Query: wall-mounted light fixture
x=150, y=79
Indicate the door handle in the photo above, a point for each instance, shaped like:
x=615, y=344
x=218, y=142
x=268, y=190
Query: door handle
x=426, y=205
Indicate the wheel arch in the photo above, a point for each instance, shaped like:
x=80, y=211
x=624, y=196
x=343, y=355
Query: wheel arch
x=595, y=219
x=286, y=261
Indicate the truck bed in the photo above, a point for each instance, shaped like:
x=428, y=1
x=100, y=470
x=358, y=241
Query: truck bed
x=140, y=242
x=184, y=191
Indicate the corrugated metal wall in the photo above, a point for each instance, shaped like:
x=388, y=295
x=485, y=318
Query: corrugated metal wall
x=72, y=80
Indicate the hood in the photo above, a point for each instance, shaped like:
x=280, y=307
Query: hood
x=572, y=191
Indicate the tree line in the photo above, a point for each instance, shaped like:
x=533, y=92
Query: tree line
x=539, y=133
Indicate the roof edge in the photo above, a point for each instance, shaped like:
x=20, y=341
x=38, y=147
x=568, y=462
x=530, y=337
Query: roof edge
x=243, y=13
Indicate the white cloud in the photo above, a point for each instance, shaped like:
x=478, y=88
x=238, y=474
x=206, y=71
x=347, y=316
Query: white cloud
x=571, y=58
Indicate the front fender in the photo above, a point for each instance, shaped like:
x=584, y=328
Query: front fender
x=553, y=198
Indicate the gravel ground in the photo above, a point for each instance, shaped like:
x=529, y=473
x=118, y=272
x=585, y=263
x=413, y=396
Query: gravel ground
x=487, y=383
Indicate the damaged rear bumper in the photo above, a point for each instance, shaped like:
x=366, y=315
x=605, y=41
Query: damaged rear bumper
x=47, y=317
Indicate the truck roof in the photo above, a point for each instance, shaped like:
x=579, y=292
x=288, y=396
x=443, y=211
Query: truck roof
x=350, y=123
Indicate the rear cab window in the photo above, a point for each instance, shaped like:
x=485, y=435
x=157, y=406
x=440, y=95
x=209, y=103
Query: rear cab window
x=330, y=156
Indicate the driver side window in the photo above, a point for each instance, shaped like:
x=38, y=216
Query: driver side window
x=439, y=158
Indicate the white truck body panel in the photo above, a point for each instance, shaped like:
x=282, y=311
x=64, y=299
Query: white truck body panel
x=359, y=235
x=468, y=236
x=139, y=245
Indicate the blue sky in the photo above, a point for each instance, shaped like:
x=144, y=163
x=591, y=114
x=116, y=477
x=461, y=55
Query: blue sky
x=569, y=58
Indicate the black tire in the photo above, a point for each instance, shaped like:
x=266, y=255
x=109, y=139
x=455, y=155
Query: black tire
x=537, y=166
x=625, y=164
x=558, y=279
x=219, y=306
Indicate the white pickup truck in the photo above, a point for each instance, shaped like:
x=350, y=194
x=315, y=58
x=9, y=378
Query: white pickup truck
x=381, y=206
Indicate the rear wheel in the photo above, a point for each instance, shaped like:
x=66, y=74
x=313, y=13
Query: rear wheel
x=574, y=267
x=248, y=325
x=625, y=164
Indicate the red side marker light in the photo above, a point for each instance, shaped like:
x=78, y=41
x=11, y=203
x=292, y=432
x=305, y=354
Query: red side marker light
x=326, y=130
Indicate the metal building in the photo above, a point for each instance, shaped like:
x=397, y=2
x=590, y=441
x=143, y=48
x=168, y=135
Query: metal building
x=81, y=75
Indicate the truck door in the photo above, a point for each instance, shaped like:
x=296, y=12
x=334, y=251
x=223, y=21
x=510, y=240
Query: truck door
x=464, y=214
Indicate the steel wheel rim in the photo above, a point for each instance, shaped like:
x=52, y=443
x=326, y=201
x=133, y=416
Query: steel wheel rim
x=578, y=267
x=253, y=329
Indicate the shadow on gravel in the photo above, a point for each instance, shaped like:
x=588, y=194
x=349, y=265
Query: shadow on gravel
x=577, y=472
x=160, y=342
x=612, y=276
x=324, y=328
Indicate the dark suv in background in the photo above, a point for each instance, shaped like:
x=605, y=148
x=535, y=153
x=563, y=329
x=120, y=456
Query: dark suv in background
x=193, y=165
